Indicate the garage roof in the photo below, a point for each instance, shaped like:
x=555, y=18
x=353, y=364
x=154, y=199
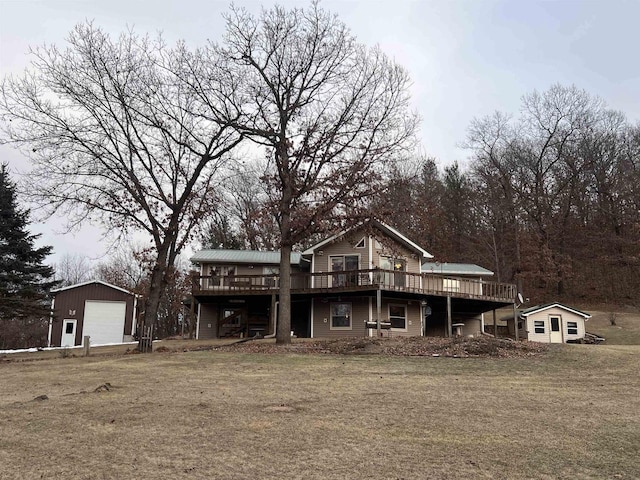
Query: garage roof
x=56, y=290
x=540, y=308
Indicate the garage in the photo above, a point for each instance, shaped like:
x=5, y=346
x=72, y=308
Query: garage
x=97, y=309
x=104, y=321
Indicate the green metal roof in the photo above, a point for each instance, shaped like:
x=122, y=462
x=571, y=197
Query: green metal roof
x=454, y=269
x=242, y=256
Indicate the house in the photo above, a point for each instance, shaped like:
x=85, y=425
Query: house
x=97, y=309
x=369, y=280
x=552, y=323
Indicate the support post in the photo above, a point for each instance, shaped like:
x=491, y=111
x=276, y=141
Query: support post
x=379, y=310
x=515, y=320
x=449, y=321
x=495, y=324
x=86, y=346
x=274, y=315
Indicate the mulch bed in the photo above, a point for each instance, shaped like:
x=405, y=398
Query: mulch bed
x=461, y=347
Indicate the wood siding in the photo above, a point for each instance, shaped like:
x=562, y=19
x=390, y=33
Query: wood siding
x=544, y=316
x=364, y=309
x=69, y=304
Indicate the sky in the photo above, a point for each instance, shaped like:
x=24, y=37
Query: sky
x=467, y=58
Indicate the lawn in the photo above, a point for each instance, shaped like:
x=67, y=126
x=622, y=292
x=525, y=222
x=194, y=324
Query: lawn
x=573, y=412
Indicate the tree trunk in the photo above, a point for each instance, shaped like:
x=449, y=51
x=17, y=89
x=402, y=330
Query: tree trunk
x=152, y=302
x=283, y=331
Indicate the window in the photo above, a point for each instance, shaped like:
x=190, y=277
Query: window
x=538, y=326
x=398, y=316
x=344, y=263
x=572, y=328
x=219, y=275
x=555, y=324
x=271, y=276
x=231, y=317
x=361, y=244
x=341, y=316
x=398, y=266
x=450, y=285
x=69, y=328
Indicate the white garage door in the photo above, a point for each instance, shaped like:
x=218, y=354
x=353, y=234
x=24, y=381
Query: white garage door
x=104, y=321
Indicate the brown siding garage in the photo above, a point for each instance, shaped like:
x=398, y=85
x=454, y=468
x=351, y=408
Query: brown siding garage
x=102, y=311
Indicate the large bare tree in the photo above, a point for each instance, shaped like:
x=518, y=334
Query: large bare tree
x=330, y=112
x=116, y=136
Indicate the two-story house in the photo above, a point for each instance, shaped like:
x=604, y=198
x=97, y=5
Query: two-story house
x=370, y=280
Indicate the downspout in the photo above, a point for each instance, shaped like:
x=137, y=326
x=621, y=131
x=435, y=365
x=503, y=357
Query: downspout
x=133, y=315
x=275, y=322
x=53, y=303
x=312, y=307
x=198, y=324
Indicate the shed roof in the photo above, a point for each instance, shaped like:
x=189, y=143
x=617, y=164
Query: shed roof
x=539, y=308
x=242, y=256
x=454, y=268
x=77, y=285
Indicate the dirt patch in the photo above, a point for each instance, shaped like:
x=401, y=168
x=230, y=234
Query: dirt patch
x=281, y=408
x=401, y=346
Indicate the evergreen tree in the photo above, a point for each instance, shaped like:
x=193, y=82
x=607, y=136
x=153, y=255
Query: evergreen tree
x=24, y=281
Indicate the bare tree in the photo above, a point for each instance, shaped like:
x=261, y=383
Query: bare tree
x=73, y=268
x=115, y=135
x=331, y=114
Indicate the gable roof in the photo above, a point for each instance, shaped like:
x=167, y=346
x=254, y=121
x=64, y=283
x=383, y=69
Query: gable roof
x=454, y=268
x=77, y=285
x=539, y=308
x=392, y=232
x=242, y=256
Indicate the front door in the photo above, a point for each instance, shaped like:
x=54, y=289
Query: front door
x=555, y=335
x=68, y=333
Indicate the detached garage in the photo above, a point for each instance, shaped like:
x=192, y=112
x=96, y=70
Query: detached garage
x=97, y=309
x=553, y=323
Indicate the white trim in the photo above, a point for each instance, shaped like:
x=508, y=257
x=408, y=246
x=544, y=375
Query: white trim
x=364, y=243
x=380, y=225
x=198, y=323
x=134, y=325
x=350, y=327
x=53, y=303
x=313, y=270
x=370, y=252
x=558, y=305
x=406, y=316
x=89, y=283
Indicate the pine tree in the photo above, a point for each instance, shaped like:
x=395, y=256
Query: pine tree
x=24, y=281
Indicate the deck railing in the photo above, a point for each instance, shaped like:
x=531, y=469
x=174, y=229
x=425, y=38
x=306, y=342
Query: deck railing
x=353, y=280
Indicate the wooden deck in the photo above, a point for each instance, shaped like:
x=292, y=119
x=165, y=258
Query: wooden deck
x=354, y=281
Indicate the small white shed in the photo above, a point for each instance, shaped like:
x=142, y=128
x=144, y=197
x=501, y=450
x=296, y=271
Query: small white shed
x=553, y=323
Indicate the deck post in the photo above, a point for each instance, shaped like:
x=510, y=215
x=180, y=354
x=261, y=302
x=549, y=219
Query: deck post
x=515, y=320
x=449, y=322
x=495, y=324
x=379, y=310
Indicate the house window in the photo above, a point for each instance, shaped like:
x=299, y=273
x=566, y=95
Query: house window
x=572, y=328
x=538, y=326
x=361, y=243
x=340, y=316
x=344, y=263
x=398, y=316
x=219, y=275
x=450, y=285
x=271, y=275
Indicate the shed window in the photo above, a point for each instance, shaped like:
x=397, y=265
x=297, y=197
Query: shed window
x=572, y=328
x=538, y=326
x=341, y=316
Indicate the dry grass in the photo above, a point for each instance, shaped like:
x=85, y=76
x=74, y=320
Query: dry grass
x=571, y=413
x=626, y=331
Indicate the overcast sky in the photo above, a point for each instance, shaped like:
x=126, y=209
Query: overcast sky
x=466, y=58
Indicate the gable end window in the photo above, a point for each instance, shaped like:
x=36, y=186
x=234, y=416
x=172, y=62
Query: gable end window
x=538, y=326
x=361, y=243
x=340, y=316
x=572, y=328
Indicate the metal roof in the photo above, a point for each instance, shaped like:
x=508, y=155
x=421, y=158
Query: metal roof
x=539, y=308
x=90, y=282
x=242, y=256
x=454, y=269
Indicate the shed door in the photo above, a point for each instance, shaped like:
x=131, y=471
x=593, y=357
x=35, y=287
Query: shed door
x=555, y=335
x=68, y=333
x=104, y=321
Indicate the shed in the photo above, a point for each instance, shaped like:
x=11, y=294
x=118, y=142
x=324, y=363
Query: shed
x=553, y=323
x=104, y=312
